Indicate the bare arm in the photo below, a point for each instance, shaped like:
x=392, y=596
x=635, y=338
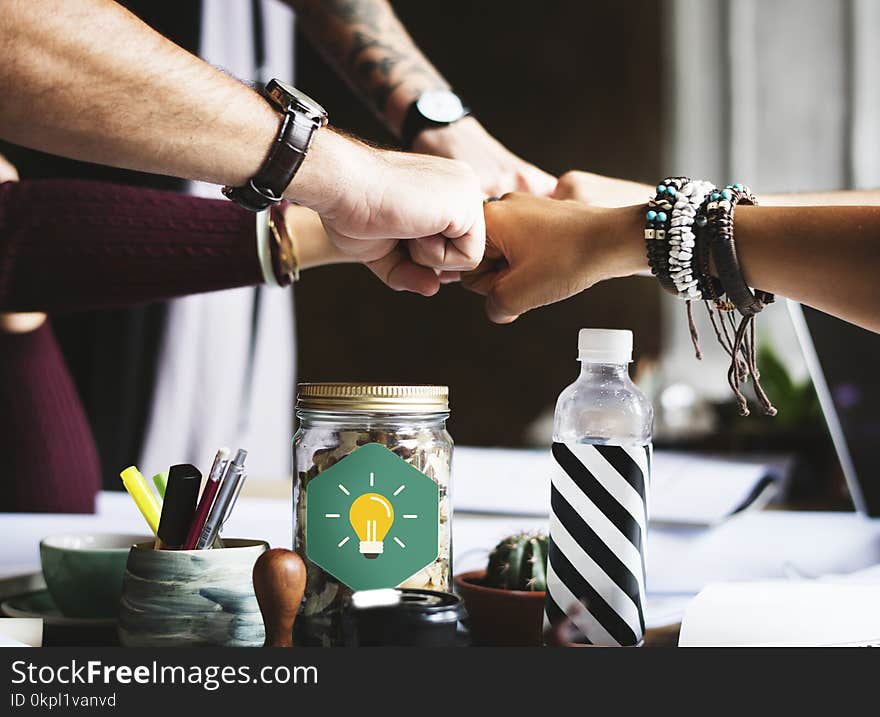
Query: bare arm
x=827, y=257
x=369, y=46
x=613, y=192
x=844, y=197
x=89, y=80
x=372, y=50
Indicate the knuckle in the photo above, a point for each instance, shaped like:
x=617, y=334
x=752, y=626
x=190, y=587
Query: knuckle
x=568, y=181
x=470, y=263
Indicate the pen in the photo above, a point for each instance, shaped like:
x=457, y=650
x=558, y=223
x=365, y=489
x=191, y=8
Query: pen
x=221, y=460
x=239, y=483
x=221, y=505
x=184, y=481
x=160, y=480
x=143, y=497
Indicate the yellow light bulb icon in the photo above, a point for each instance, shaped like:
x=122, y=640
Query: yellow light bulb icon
x=371, y=516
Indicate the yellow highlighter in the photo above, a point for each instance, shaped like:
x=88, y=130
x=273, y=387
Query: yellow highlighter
x=144, y=498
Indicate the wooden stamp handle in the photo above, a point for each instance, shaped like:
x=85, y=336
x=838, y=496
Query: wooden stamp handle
x=279, y=583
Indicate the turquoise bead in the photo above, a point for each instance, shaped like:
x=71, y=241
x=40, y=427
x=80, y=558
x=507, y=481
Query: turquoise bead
x=739, y=187
x=661, y=188
x=651, y=215
x=727, y=194
x=661, y=216
x=715, y=196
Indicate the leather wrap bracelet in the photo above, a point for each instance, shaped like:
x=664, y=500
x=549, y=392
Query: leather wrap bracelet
x=720, y=213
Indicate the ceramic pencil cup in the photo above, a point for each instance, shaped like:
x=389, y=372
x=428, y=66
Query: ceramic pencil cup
x=191, y=598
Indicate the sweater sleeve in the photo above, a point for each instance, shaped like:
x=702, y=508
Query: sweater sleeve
x=67, y=245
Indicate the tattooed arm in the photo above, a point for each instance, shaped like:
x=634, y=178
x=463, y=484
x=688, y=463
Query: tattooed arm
x=369, y=46
x=366, y=42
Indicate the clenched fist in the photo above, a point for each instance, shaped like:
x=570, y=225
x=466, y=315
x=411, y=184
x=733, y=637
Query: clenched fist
x=415, y=220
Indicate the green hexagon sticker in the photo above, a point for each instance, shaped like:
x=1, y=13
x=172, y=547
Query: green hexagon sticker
x=372, y=520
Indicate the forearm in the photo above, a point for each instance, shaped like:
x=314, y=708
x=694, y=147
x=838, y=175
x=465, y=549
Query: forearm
x=826, y=257
x=91, y=81
x=846, y=197
x=369, y=46
x=312, y=245
x=88, y=80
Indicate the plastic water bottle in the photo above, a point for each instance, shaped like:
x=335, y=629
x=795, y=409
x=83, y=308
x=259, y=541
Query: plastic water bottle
x=599, y=513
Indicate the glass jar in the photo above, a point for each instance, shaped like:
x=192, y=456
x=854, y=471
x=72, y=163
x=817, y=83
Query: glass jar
x=386, y=445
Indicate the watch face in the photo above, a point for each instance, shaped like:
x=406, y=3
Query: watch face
x=441, y=106
x=287, y=96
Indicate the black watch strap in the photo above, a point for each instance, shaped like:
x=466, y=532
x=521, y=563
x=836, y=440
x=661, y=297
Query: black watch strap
x=414, y=122
x=284, y=159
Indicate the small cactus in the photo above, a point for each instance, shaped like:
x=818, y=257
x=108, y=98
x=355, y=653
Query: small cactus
x=519, y=562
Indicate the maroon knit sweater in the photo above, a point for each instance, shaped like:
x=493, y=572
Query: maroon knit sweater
x=68, y=245
x=51, y=462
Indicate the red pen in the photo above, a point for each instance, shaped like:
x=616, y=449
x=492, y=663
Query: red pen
x=207, y=499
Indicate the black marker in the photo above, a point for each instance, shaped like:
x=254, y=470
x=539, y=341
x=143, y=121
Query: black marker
x=179, y=506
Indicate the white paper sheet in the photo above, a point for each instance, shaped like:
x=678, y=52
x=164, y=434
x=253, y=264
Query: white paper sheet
x=795, y=613
x=21, y=632
x=761, y=544
x=685, y=489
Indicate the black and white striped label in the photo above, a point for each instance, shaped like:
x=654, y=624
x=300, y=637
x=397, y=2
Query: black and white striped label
x=596, y=558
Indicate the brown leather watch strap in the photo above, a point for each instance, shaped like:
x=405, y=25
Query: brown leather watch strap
x=284, y=159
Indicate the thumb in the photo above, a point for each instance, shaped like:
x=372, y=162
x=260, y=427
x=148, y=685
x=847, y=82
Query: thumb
x=504, y=301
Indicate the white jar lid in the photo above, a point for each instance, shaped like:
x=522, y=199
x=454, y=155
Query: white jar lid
x=605, y=345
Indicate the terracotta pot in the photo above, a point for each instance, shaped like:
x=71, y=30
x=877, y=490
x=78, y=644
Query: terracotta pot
x=508, y=618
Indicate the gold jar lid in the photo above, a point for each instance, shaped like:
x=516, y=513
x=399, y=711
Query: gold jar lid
x=385, y=398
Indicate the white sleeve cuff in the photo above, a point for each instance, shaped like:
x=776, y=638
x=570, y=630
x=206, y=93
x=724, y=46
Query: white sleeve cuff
x=264, y=253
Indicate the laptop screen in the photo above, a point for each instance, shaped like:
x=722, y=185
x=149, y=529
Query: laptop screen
x=846, y=359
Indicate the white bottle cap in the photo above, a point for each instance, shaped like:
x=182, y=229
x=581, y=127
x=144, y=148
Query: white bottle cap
x=605, y=345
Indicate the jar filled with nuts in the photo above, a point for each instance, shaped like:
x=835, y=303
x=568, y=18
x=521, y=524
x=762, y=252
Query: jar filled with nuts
x=371, y=499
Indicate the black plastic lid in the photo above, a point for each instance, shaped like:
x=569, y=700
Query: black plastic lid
x=412, y=617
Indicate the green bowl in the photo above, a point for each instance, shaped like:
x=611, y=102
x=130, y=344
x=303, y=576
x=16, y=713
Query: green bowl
x=84, y=571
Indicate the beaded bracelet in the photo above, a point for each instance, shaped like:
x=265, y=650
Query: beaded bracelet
x=659, y=218
x=682, y=240
x=709, y=286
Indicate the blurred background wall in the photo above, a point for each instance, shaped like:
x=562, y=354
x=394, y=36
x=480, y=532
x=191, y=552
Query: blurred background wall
x=779, y=94
x=564, y=84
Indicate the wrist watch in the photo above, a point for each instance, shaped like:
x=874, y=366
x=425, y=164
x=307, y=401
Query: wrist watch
x=302, y=117
x=433, y=108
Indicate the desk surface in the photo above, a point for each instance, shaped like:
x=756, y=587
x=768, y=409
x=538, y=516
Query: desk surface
x=681, y=561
